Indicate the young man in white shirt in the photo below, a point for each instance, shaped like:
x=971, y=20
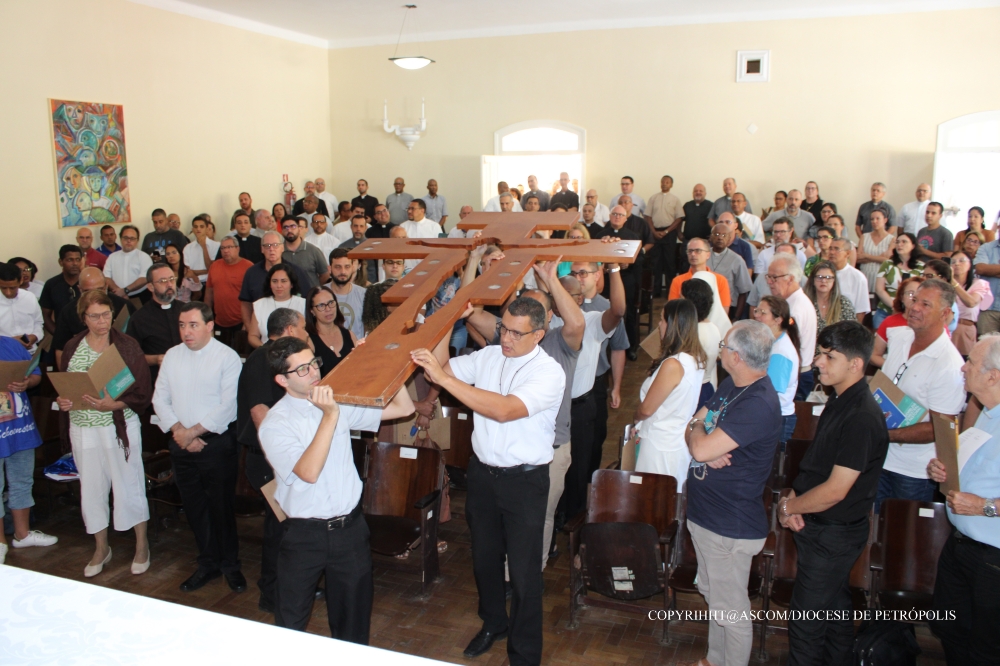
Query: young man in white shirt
x=515, y=390
x=20, y=315
x=195, y=400
x=126, y=268
x=306, y=437
x=319, y=236
x=924, y=364
x=200, y=254
x=852, y=282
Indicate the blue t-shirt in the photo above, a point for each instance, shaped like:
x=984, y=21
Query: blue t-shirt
x=729, y=501
x=17, y=424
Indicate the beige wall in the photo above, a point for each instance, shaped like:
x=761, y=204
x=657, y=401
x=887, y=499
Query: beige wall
x=851, y=101
x=209, y=111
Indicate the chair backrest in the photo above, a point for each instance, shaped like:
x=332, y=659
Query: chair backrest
x=398, y=476
x=683, y=552
x=617, y=496
x=795, y=450
x=860, y=578
x=622, y=560
x=461, y=436
x=911, y=535
x=805, y=424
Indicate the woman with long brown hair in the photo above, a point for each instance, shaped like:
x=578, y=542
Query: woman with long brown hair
x=669, y=396
x=326, y=330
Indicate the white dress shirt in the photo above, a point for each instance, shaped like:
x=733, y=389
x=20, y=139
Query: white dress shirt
x=538, y=381
x=341, y=231
x=21, y=315
x=194, y=257
x=934, y=379
x=127, y=267
x=752, y=226
x=586, y=363
x=854, y=285
x=198, y=387
x=285, y=434
x=637, y=201
x=330, y=201
x=493, y=206
x=425, y=228
x=767, y=254
x=911, y=217
x=326, y=241
x=804, y=313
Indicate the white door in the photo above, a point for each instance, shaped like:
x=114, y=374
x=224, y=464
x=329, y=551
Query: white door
x=490, y=178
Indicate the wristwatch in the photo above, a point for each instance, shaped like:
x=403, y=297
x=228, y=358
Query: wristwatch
x=990, y=508
x=614, y=270
x=692, y=422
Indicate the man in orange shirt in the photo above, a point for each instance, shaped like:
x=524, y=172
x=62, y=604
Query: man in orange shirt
x=222, y=290
x=698, y=251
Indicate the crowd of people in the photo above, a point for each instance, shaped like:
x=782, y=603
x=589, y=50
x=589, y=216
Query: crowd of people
x=761, y=311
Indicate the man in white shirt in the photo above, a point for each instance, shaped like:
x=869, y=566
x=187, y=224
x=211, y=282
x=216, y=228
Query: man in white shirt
x=515, y=390
x=398, y=201
x=328, y=198
x=760, y=288
x=126, y=268
x=852, y=283
x=911, y=215
x=437, y=207
x=664, y=214
x=752, y=227
x=627, y=185
x=801, y=220
x=493, y=205
x=319, y=236
x=781, y=232
x=306, y=437
x=200, y=254
x=195, y=400
x=924, y=364
x=784, y=275
x=350, y=297
x=602, y=214
x=418, y=226
x=20, y=315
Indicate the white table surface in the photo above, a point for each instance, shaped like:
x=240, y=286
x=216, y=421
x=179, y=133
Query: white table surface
x=50, y=620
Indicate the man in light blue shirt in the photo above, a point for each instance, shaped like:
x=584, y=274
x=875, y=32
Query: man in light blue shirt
x=967, y=588
x=397, y=202
x=987, y=265
x=437, y=207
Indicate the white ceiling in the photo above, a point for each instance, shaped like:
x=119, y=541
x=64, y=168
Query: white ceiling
x=351, y=23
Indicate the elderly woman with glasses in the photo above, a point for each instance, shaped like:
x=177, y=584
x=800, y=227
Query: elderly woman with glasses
x=905, y=295
x=824, y=292
x=105, y=434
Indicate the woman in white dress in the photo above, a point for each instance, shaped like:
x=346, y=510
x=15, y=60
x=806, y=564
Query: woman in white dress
x=876, y=248
x=281, y=290
x=669, y=396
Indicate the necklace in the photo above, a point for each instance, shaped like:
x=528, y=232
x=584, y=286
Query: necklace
x=511, y=384
x=714, y=256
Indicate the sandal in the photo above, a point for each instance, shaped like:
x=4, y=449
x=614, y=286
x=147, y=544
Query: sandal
x=442, y=546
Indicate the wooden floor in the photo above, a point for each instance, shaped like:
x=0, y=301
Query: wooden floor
x=438, y=627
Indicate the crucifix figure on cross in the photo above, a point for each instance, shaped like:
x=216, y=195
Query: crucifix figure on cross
x=373, y=372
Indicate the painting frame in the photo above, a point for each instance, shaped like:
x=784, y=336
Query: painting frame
x=91, y=167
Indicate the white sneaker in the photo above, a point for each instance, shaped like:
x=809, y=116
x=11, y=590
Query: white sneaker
x=35, y=538
x=3, y=552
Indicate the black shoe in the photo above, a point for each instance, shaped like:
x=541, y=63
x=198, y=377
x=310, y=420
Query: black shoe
x=482, y=642
x=237, y=581
x=320, y=593
x=265, y=605
x=632, y=355
x=199, y=578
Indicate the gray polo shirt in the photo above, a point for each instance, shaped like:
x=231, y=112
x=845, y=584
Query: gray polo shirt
x=310, y=259
x=543, y=199
x=865, y=215
x=800, y=222
x=397, y=203
x=732, y=266
x=437, y=207
x=725, y=205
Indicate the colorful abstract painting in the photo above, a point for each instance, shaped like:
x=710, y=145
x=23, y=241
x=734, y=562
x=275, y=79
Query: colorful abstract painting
x=91, y=171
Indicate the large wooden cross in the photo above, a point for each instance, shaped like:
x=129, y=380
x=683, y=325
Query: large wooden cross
x=373, y=372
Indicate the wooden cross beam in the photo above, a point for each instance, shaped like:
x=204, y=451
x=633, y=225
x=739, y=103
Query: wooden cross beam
x=372, y=373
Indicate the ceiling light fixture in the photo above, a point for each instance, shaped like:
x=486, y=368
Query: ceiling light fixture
x=408, y=62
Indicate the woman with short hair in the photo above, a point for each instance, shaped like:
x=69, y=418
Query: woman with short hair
x=281, y=290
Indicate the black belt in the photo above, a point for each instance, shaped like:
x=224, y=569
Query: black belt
x=329, y=524
x=505, y=471
x=965, y=539
x=582, y=398
x=820, y=520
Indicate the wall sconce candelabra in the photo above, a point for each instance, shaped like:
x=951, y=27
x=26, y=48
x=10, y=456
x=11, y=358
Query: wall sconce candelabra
x=408, y=135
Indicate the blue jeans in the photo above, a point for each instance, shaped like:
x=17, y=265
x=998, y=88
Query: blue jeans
x=20, y=467
x=899, y=486
x=878, y=317
x=788, y=426
x=806, y=382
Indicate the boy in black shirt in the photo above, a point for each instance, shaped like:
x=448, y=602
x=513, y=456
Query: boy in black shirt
x=832, y=496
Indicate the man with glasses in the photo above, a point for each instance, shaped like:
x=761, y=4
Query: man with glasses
x=272, y=245
x=760, y=287
x=800, y=219
x=222, y=290
x=852, y=282
x=924, y=364
x=631, y=275
x=417, y=225
x=309, y=190
x=781, y=232
x=68, y=322
x=302, y=254
x=306, y=437
x=784, y=278
x=154, y=325
x=698, y=252
x=725, y=262
x=627, y=186
x=374, y=311
x=195, y=400
x=126, y=269
x=515, y=390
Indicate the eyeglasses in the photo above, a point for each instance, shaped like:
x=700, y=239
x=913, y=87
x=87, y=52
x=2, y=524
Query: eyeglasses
x=719, y=235
x=99, y=316
x=579, y=275
x=304, y=369
x=775, y=278
x=617, y=214
x=932, y=276
x=514, y=335
x=825, y=277
x=723, y=345
x=393, y=262
x=268, y=246
x=130, y=238
x=167, y=280
x=899, y=374
x=329, y=305
x=696, y=250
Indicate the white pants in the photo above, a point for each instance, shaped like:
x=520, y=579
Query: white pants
x=557, y=482
x=102, y=467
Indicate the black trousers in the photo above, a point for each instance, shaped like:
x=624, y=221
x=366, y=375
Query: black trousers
x=207, y=484
x=582, y=422
x=968, y=587
x=600, y=393
x=259, y=472
x=826, y=554
x=227, y=335
x=308, y=550
x=506, y=516
x=663, y=256
x=632, y=284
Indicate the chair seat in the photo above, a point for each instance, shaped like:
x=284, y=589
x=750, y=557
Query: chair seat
x=682, y=579
x=781, y=591
x=392, y=535
x=900, y=601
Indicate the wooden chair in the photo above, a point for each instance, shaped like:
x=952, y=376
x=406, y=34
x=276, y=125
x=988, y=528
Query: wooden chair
x=621, y=543
x=860, y=580
x=460, y=453
x=904, y=556
x=160, y=487
x=795, y=450
x=805, y=424
x=781, y=567
x=402, y=502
